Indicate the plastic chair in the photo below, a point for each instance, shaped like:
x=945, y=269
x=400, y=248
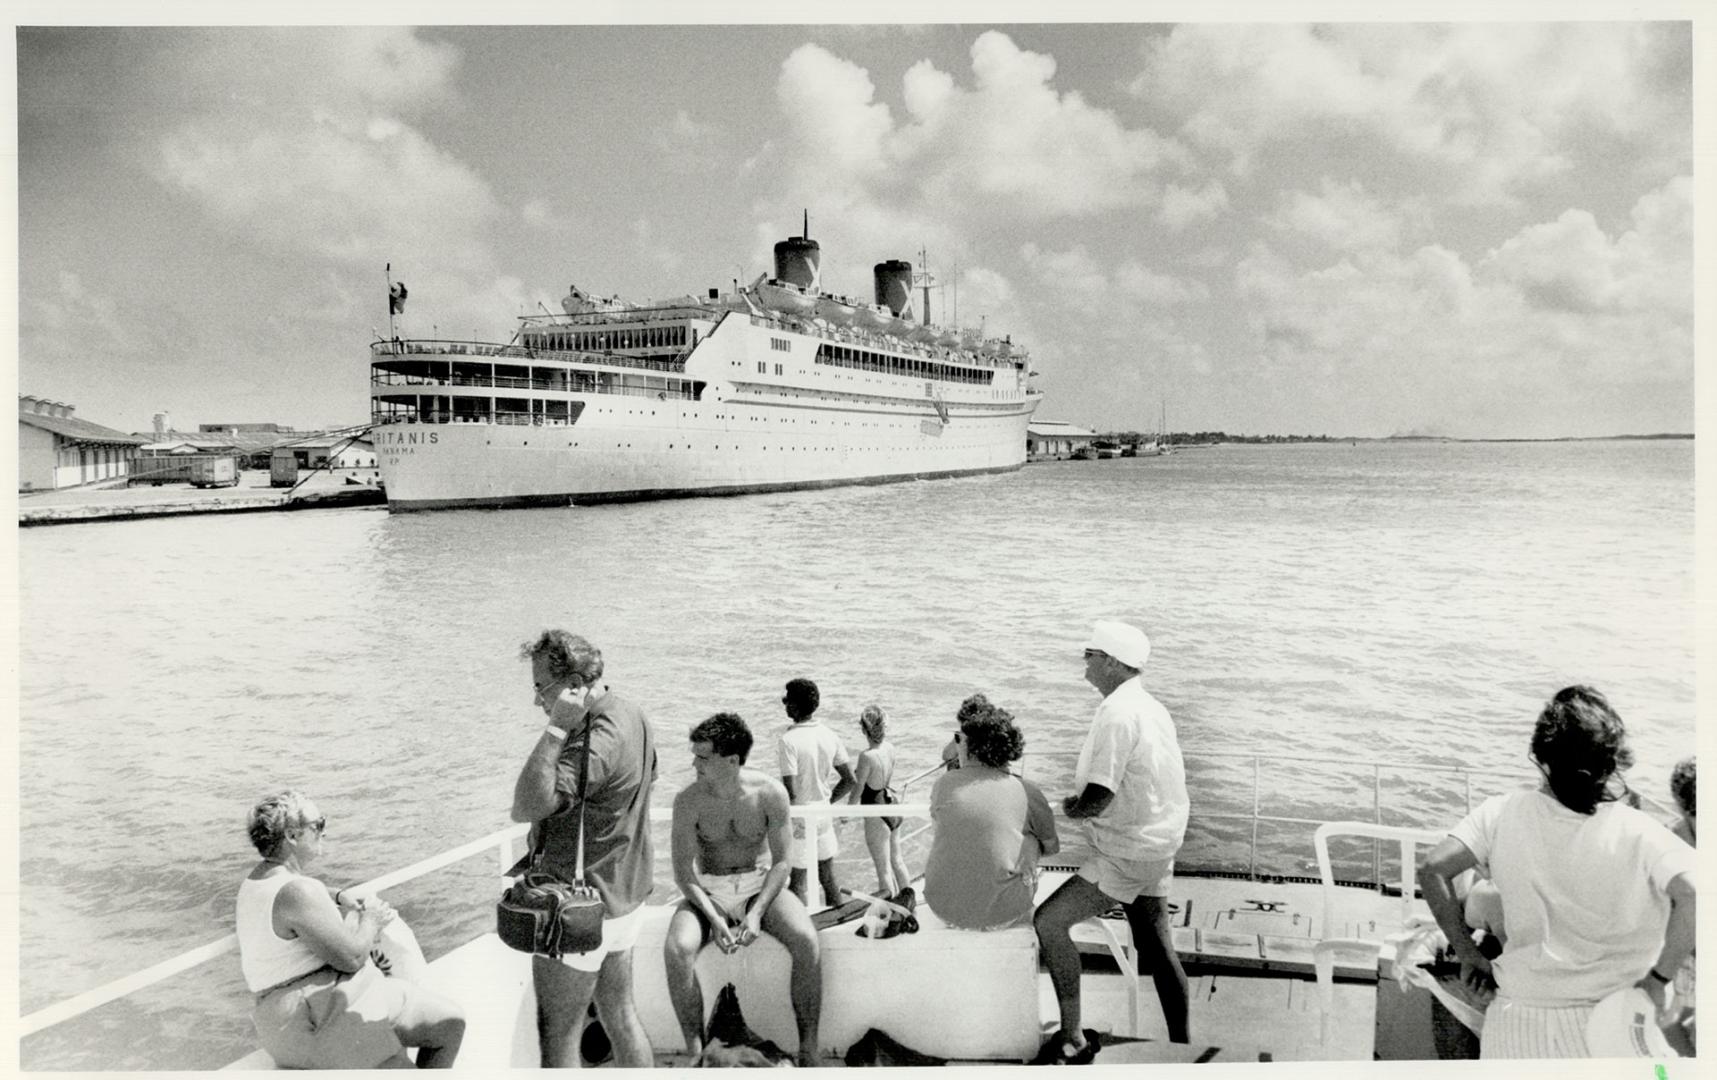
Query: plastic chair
x=1324, y=952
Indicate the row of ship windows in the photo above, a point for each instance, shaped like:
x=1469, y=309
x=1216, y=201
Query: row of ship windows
x=763, y=369
x=554, y=413
x=641, y=337
x=864, y=360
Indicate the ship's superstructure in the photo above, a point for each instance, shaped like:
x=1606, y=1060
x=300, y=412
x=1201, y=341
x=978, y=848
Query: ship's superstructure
x=772, y=386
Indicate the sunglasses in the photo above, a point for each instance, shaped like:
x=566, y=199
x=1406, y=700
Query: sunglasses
x=1089, y=653
x=320, y=825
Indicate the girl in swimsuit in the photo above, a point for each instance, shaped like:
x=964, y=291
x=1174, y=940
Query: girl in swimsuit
x=874, y=772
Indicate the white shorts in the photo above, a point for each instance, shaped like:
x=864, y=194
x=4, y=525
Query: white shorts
x=1513, y=1030
x=1119, y=879
x=618, y=935
x=826, y=846
x=732, y=892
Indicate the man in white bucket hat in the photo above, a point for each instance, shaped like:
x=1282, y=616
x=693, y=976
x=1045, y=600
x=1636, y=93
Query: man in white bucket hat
x=1131, y=797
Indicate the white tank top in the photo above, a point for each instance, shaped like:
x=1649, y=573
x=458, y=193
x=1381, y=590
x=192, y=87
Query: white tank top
x=266, y=958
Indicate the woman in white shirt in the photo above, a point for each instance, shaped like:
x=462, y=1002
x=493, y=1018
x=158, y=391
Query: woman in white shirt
x=321, y=1003
x=1596, y=895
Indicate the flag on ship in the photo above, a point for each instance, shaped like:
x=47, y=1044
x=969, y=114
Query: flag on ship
x=396, y=298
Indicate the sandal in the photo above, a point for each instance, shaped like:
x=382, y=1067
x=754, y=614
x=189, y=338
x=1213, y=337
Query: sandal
x=1059, y=1051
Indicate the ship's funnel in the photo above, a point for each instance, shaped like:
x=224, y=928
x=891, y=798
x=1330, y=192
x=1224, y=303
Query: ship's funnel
x=798, y=261
x=894, y=286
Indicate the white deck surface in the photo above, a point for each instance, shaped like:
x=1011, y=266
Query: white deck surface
x=970, y=996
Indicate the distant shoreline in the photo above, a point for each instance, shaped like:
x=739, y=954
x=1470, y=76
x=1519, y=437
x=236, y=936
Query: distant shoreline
x=1220, y=438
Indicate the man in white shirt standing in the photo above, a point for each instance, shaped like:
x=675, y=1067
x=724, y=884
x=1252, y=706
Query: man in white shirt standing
x=808, y=753
x=1131, y=794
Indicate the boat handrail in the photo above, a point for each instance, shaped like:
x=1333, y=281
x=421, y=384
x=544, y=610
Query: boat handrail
x=502, y=842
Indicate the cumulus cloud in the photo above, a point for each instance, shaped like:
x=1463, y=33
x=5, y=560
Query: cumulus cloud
x=1421, y=336
x=323, y=159
x=1183, y=206
x=1008, y=138
x=1489, y=108
x=1079, y=280
x=829, y=107
x=1341, y=216
x=1570, y=264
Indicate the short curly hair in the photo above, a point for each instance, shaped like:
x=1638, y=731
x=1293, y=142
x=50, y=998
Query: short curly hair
x=976, y=705
x=990, y=735
x=802, y=696
x=569, y=656
x=1581, y=743
x=270, y=819
x=726, y=734
x=1682, y=781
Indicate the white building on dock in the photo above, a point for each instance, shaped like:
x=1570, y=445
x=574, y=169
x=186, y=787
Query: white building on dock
x=59, y=450
x=1049, y=440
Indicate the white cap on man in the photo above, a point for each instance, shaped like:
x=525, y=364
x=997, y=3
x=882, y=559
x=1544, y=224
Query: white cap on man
x=1124, y=642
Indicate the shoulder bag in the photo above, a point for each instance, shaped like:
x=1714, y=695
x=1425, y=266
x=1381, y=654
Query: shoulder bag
x=541, y=914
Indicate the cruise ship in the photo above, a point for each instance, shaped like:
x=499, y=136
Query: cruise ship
x=771, y=386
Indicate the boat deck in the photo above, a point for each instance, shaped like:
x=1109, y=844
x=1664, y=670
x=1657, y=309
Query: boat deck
x=1246, y=946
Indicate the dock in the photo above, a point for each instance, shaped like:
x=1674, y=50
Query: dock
x=116, y=502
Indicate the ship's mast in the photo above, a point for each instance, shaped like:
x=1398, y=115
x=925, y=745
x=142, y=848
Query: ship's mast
x=925, y=281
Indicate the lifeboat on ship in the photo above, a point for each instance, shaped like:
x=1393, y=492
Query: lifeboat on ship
x=923, y=333
x=579, y=302
x=948, y=338
x=787, y=299
x=873, y=317
x=836, y=310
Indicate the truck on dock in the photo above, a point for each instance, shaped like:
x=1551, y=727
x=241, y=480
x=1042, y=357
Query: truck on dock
x=282, y=469
x=213, y=472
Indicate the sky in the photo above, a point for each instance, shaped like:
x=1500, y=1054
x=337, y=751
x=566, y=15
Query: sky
x=1467, y=229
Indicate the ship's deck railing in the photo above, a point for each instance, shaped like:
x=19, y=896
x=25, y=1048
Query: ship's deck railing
x=418, y=347
x=1461, y=786
x=502, y=845
x=613, y=316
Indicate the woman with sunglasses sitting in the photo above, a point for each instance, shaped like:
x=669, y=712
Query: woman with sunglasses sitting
x=991, y=827
x=305, y=950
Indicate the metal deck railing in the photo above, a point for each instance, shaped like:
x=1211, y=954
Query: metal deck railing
x=503, y=842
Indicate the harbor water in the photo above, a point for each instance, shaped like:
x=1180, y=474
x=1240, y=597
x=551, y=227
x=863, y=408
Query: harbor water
x=1369, y=602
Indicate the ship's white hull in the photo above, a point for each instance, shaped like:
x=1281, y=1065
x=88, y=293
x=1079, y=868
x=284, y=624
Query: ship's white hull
x=676, y=449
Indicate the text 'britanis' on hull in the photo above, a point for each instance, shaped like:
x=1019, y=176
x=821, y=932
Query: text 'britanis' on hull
x=735, y=393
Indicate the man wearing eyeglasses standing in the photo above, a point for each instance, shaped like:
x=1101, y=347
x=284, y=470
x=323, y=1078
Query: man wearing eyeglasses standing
x=618, y=861
x=1131, y=798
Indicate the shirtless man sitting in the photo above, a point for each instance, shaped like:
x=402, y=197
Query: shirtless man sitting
x=722, y=822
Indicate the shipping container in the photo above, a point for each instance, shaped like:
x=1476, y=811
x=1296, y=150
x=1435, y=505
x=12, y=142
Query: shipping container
x=210, y=472
x=283, y=469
